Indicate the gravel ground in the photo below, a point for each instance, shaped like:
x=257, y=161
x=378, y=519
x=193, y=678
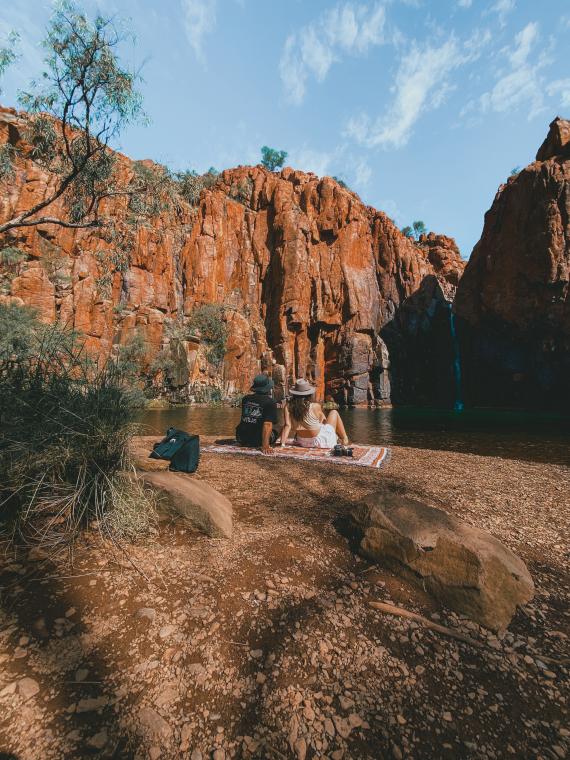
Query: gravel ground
x=265, y=646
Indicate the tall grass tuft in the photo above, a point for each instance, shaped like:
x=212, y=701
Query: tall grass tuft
x=64, y=430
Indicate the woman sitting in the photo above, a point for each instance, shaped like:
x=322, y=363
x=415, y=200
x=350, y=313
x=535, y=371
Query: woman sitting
x=306, y=421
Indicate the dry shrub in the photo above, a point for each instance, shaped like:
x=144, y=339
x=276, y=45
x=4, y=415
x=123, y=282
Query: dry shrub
x=64, y=431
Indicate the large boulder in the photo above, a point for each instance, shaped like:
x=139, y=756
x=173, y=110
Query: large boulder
x=194, y=500
x=468, y=569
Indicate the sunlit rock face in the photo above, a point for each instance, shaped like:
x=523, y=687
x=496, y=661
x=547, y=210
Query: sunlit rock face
x=513, y=297
x=314, y=283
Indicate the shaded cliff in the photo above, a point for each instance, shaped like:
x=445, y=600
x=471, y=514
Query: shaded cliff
x=312, y=281
x=513, y=299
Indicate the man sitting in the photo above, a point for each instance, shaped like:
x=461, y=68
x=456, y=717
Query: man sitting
x=258, y=416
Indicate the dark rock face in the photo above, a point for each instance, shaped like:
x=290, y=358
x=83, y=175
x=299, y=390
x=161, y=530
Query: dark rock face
x=513, y=299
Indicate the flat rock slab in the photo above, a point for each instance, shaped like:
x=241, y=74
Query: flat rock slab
x=194, y=500
x=467, y=568
x=140, y=447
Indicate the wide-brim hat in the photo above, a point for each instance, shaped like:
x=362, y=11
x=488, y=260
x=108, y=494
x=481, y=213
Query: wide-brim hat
x=262, y=384
x=302, y=388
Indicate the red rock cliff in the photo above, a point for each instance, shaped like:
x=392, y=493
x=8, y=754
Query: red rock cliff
x=514, y=295
x=309, y=276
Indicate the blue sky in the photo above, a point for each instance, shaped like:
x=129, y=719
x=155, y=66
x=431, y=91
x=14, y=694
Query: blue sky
x=422, y=106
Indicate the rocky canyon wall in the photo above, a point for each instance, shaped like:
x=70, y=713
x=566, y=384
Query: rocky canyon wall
x=513, y=299
x=313, y=283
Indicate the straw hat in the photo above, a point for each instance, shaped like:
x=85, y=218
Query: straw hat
x=302, y=388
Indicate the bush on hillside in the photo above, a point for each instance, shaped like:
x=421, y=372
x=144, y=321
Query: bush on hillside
x=190, y=184
x=209, y=321
x=272, y=159
x=64, y=432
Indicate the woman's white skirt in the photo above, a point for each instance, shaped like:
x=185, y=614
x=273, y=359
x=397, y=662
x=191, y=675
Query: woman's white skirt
x=326, y=439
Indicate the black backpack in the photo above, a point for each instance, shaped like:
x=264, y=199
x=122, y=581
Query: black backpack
x=180, y=448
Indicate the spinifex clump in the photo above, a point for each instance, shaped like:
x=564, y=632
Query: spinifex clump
x=64, y=431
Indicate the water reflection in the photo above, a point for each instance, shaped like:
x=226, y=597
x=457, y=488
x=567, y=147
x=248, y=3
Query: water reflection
x=509, y=434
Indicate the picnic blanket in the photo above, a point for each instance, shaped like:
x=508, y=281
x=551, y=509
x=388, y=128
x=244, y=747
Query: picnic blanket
x=363, y=456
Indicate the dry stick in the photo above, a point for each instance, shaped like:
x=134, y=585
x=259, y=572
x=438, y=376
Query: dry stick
x=401, y=612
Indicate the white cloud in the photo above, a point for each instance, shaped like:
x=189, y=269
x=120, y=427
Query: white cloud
x=421, y=84
x=524, y=42
x=502, y=8
x=346, y=29
x=520, y=83
x=465, y=3
x=199, y=20
x=362, y=174
x=560, y=88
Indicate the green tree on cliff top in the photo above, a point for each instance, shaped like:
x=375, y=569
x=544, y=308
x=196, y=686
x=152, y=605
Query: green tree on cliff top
x=272, y=159
x=82, y=101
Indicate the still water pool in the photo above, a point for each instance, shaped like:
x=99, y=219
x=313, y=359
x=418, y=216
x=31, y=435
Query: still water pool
x=489, y=432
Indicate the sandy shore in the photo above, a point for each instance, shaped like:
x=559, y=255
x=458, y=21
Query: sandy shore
x=264, y=645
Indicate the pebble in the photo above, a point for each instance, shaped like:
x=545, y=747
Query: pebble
x=99, y=740
x=146, y=612
x=28, y=687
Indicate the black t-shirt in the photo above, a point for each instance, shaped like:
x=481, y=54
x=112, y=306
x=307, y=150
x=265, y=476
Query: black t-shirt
x=256, y=409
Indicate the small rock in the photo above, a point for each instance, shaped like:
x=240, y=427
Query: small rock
x=99, y=740
x=154, y=723
x=447, y=716
x=329, y=727
x=301, y=749
x=91, y=704
x=146, y=612
x=219, y=754
x=355, y=721
x=185, y=735
x=81, y=674
x=196, y=755
x=28, y=688
x=154, y=753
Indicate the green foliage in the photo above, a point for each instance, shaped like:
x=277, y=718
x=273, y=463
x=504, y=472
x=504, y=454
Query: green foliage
x=414, y=232
x=190, y=184
x=341, y=182
x=64, y=430
x=242, y=192
x=8, y=52
x=83, y=99
x=163, y=363
x=419, y=229
x=206, y=394
x=272, y=159
x=20, y=334
x=7, y=155
x=10, y=256
x=130, y=357
x=10, y=261
x=208, y=321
